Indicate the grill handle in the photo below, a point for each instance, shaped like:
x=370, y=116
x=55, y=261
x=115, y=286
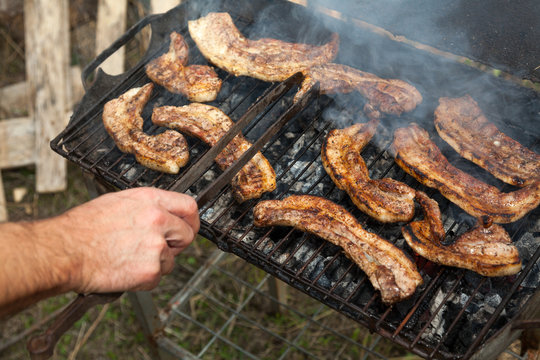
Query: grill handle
x=42, y=346
x=526, y=324
x=121, y=41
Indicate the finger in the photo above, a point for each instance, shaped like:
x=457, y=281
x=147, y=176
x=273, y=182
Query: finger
x=181, y=205
x=167, y=261
x=177, y=246
x=178, y=233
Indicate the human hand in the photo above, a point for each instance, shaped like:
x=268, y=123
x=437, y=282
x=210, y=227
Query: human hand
x=128, y=239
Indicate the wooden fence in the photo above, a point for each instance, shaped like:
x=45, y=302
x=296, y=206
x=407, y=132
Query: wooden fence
x=52, y=87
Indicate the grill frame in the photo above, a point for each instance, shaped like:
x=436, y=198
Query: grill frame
x=113, y=86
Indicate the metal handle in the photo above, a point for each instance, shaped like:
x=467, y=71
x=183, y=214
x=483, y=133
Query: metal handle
x=526, y=324
x=121, y=41
x=42, y=346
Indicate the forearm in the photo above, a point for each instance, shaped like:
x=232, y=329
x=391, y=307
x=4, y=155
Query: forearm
x=34, y=264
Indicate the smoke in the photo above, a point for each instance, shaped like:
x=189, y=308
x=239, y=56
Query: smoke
x=422, y=42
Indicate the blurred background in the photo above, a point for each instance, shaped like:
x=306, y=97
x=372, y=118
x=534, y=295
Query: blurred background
x=35, y=183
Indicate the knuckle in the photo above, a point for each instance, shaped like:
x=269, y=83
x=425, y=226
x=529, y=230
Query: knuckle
x=155, y=216
x=191, y=205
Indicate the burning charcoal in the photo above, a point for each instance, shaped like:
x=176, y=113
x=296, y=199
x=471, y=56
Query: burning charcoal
x=532, y=280
x=266, y=247
x=364, y=293
x=473, y=279
x=346, y=286
x=493, y=300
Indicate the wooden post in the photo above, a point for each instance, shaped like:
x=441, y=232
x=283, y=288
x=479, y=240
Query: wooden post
x=47, y=55
x=111, y=24
x=161, y=6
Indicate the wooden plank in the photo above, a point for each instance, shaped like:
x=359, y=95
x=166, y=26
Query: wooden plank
x=3, y=209
x=17, y=139
x=111, y=24
x=47, y=55
x=161, y=6
x=14, y=98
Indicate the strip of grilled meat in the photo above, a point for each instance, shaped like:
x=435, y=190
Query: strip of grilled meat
x=386, y=266
x=487, y=251
x=386, y=200
x=421, y=158
x=198, y=83
x=462, y=124
x=209, y=124
x=266, y=59
x=166, y=152
x=389, y=96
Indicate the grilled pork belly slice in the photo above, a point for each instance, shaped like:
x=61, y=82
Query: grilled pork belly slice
x=166, y=152
x=422, y=159
x=220, y=41
x=387, y=267
x=386, y=200
x=487, y=251
x=461, y=123
x=198, y=83
x=389, y=96
x=209, y=124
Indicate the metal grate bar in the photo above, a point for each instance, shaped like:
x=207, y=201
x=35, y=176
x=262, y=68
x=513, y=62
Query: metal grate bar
x=224, y=339
x=238, y=314
x=299, y=336
x=311, y=319
x=503, y=303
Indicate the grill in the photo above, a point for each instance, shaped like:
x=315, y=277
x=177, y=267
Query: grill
x=455, y=313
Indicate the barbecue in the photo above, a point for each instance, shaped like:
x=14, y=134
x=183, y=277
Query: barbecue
x=267, y=59
x=198, y=83
x=388, y=269
x=121, y=118
x=422, y=159
x=386, y=200
x=209, y=124
x=486, y=250
x=454, y=313
x=461, y=123
x=389, y=96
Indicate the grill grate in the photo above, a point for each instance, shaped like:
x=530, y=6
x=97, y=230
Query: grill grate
x=451, y=314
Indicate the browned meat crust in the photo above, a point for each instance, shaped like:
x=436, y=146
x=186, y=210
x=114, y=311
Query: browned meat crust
x=222, y=44
x=461, y=123
x=166, y=152
x=209, y=124
x=422, y=159
x=387, y=267
x=390, y=96
x=386, y=200
x=198, y=83
x=487, y=251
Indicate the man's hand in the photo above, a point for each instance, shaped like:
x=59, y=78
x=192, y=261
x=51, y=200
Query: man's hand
x=127, y=240
x=120, y=241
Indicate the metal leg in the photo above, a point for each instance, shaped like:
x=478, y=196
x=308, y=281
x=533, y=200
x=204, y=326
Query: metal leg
x=147, y=314
x=278, y=290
